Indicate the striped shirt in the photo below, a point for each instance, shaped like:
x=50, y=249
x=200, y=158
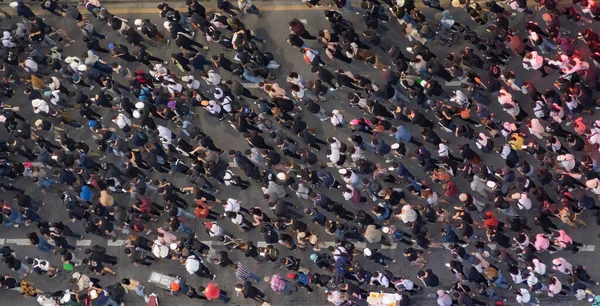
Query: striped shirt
x=242, y=273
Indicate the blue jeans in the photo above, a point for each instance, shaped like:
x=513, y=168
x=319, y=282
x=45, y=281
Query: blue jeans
x=223, y=297
x=501, y=282
x=184, y=229
x=139, y=290
x=349, y=7
x=44, y=246
x=181, y=212
x=255, y=278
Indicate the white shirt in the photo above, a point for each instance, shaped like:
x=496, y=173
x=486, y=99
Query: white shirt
x=524, y=297
x=524, y=202
x=539, y=267
x=232, y=205
x=213, y=78
x=40, y=105
x=165, y=135
x=213, y=107
x=30, y=66
x=337, y=118
x=122, y=121
x=192, y=264
x=534, y=63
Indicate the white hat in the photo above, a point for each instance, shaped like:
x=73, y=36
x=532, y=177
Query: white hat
x=343, y=171
x=185, y=78
x=138, y=22
x=173, y=246
x=423, y=83
x=491, y=184
x=94, y=294
x=515, y=196
x=463, y=197
x=36, y=102
x=167, y=24
x=281, y=176
x=140, y=105
x=367, y=252
x=395, y=146
x=69, y=59
x=385, y=229
x=560, y=158
x=81, y=68
x=136, y=114
x=591, y=184
x=2, y=118
x=14, y=4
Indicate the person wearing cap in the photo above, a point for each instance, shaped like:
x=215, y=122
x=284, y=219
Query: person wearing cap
x=179, y=285
x=22, y=10
x=121, y=51
x=376, y=256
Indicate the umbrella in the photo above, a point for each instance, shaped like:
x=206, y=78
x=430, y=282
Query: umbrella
x=277, y=283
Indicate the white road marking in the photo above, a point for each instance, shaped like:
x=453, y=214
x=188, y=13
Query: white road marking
x=588, y=248
x=85, y=242
x=250, y=85
x=119, y=242
x=18, y=241
x=260, y=244
x=453, y=83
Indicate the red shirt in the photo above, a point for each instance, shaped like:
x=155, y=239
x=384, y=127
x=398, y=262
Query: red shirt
x=212, y=291
x=201, y=211
x=491, y=222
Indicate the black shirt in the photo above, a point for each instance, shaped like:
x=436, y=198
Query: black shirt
x=431, y=280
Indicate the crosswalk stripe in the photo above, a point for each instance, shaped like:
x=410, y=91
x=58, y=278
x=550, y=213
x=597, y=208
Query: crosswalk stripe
x=85, y=242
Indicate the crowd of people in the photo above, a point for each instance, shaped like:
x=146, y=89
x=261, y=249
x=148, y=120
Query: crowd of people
x=144, y=128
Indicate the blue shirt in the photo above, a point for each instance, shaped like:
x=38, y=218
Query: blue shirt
x=86, y=193
x=403, y=133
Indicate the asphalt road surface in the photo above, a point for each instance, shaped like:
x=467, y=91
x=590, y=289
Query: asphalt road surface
x=272, y=25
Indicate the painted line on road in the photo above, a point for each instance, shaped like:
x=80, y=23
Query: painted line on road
x=250, y=85
x=588, y=248
x=260, y=244
x=453, y=83
x=85, y=242
x=154, y=10
x=18, y=241
x=118, y=242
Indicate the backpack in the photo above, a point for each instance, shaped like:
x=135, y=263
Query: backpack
x=326, y=178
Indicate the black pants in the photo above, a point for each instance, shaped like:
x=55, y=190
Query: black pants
x=204, y=272
x=306, y=35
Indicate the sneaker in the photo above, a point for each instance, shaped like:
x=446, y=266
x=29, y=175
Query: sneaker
x=168, y=42
x=214, y=276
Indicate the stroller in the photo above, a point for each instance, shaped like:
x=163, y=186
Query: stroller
x=152, y=300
